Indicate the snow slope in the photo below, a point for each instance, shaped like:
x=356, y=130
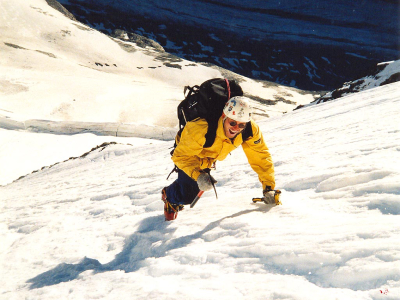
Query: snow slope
x=93, y=227
x=58, y=75
x=56, y=69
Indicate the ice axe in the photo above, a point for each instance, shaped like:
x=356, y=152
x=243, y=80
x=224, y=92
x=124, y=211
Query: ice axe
x=201, y=192
x=196, y=199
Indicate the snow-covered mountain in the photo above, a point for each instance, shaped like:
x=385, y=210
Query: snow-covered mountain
x=280, y=41
x=88, y=222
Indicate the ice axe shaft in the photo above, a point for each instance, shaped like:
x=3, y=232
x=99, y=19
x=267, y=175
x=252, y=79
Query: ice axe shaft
x=196, y=199
x=213, y=182
x=215, y=190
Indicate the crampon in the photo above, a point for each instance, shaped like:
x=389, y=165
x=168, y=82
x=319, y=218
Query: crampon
x=170, y=209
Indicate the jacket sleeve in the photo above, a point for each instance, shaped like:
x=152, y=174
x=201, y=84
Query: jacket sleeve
x=189, y=147
x=259, y=157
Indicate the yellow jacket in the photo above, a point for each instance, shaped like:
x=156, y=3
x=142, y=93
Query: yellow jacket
x=191, y=157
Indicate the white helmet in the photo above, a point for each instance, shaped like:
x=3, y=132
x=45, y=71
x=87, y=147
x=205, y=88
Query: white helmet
x=238, y=109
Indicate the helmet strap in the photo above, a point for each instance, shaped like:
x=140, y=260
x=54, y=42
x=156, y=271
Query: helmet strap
x=223, y=118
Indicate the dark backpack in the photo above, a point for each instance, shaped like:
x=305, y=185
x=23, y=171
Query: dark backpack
x=207, y=101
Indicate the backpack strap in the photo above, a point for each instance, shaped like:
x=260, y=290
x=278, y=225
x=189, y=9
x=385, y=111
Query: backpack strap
x=247, y=132
x=213, y=126
x=192, y=90
x=211, y=134
x=228, y=87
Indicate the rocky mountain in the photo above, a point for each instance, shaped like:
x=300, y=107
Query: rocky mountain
x=312, y=45
x=384, y=73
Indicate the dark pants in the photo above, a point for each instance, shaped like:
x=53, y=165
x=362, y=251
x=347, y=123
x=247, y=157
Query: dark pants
x=183, y=190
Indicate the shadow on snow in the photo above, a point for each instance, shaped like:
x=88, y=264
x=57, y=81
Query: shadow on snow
x=154, y=238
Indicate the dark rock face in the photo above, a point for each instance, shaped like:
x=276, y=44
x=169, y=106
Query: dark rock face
x=56, y=5
x=393, y=78
x=314, y=46
x=382, y=74
x=139, y=40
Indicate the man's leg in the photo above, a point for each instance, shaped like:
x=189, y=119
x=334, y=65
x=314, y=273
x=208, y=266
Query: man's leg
x=183, y=190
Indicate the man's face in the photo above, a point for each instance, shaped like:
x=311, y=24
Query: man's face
x=232, y=128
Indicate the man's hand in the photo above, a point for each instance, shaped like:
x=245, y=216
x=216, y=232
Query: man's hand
x=269, y=196
x=205, y=182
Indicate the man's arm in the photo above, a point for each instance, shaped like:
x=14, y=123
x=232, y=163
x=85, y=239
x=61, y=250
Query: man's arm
x=189, y=147
x=259, y=157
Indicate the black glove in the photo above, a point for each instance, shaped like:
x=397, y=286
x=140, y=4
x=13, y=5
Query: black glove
x=205, y=182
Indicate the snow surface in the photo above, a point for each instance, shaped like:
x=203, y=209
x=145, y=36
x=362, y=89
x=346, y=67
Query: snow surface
x=92, y=227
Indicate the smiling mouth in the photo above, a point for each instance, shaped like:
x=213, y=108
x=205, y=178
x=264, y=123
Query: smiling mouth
x=233, y=132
